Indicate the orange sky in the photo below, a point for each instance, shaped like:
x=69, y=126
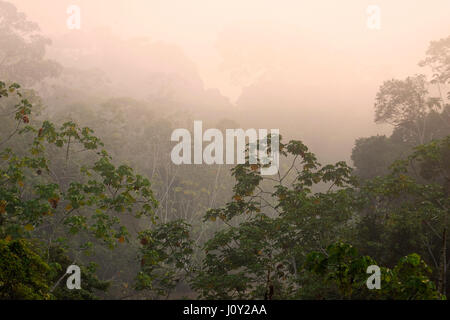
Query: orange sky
x=333, y=31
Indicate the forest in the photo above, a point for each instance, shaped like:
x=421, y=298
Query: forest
x=86, y=179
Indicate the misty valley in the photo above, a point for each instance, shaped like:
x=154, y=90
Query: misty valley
x=224, y=151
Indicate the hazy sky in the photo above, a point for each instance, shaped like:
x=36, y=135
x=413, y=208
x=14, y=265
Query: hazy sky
x=333, y=31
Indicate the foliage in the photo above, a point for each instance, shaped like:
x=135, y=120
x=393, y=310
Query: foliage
x=23, y=273
x=90, y=282
x=372, y=156
x=438, y=59
x=407, y=209
x=36, y=200
x=165, y=257
x=261, y=256
x=341, y=266
x=22, y=48
x=29, y=200
x=296, y=235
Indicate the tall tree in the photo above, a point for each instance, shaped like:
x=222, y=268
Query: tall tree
x=406, y=104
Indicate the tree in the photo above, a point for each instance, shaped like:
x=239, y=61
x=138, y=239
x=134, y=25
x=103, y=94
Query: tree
x=91, y=284
x=51, y=198
x=166, y=258
x=417, y=115
x=271, y=224
x=406, y=104
x=438, y=59
x=22, y=271
x=22, y=48
x=372, y=156
x=407, y=210
x=279, y=234
x=341, y=267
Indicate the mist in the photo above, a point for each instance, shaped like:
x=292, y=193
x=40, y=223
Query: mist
x=340, y=89
x=311, y=68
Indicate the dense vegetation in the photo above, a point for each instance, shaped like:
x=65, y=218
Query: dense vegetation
x=141, y=227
